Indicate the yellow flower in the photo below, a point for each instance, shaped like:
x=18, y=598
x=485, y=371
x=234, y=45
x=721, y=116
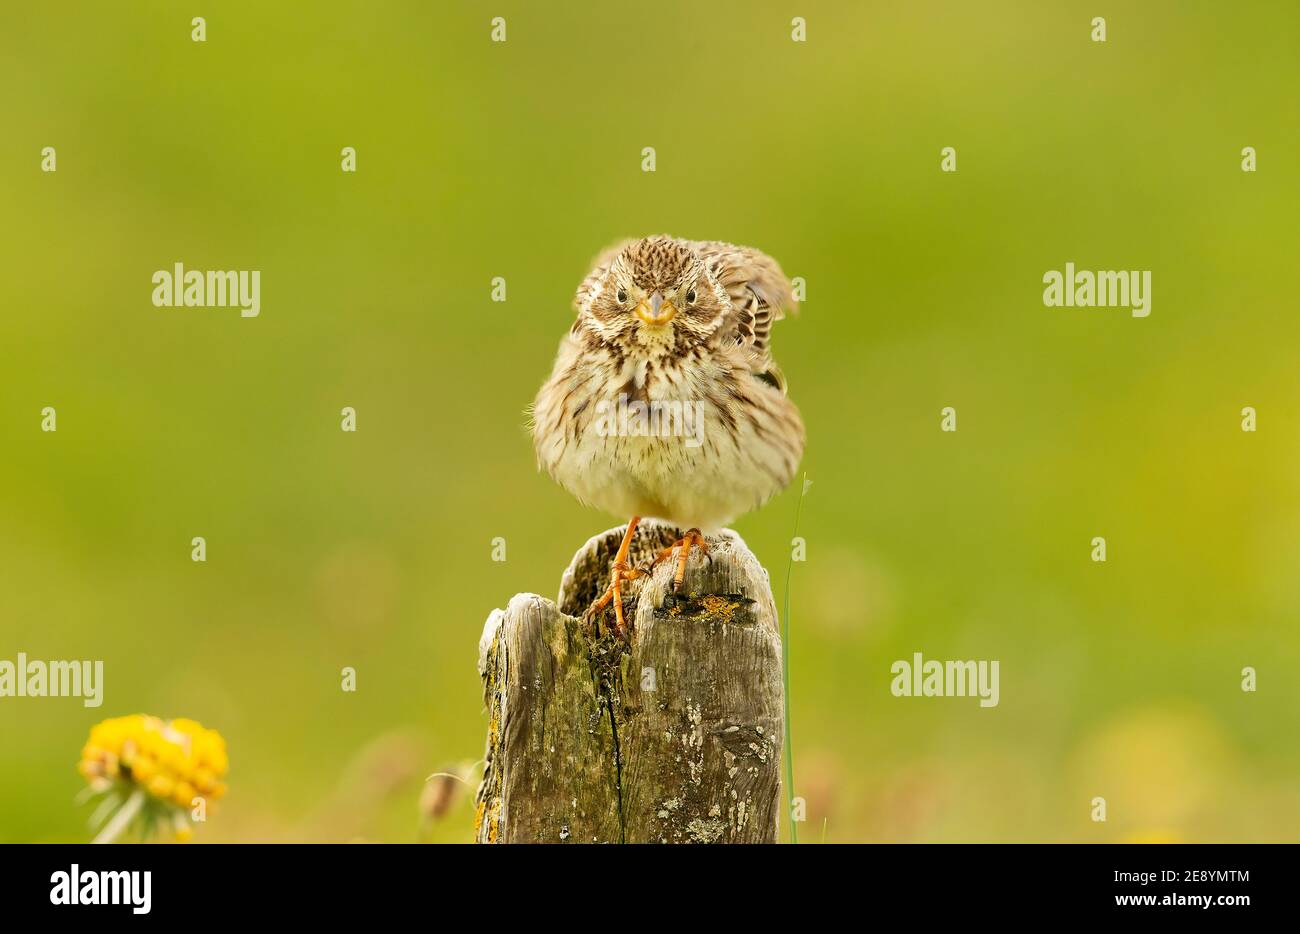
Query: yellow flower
x=143, y=770
x=160, y=786
x=183, y=793
x=156, y=765
x=204, y=780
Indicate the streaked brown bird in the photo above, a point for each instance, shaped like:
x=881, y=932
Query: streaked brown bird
x=665, y=401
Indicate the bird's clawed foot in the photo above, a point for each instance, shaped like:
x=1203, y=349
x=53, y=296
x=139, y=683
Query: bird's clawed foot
x=683, y=548
x=620, y=571
x=620, y=574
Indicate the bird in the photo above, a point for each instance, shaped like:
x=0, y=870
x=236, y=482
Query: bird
x=664, y=401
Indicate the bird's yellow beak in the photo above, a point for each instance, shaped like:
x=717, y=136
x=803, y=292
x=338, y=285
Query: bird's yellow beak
x=654, y=311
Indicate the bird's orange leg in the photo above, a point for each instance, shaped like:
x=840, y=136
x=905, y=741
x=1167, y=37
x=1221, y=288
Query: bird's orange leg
x=619, y=572
x=683, y=544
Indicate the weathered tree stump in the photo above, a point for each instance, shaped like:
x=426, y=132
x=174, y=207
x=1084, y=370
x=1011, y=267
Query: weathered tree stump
x=674, y=738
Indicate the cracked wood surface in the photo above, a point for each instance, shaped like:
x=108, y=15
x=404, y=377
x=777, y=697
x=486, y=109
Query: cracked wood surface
x=675, y=738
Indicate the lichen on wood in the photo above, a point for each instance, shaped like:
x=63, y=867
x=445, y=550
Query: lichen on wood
x=672, y=737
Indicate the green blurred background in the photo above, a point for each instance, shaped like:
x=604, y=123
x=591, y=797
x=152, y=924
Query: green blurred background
x=479, y=159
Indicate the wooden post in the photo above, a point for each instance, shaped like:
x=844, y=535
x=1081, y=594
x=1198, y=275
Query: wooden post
x=674, y=739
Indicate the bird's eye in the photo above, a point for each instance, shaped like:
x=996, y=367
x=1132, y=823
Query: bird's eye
x=622, y=296
x=690, y=296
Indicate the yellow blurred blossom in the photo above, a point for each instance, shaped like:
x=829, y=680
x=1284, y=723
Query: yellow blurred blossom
x=152, y=770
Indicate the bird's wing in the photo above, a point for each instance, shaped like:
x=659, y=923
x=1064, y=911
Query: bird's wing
x=760, y=294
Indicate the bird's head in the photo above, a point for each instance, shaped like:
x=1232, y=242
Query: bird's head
x=656, y=295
